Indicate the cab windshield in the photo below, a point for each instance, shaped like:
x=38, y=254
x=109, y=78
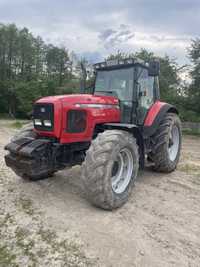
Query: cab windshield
x=117, y=83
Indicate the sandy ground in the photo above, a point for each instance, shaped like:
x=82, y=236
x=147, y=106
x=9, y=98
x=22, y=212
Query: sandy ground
x=49, y=223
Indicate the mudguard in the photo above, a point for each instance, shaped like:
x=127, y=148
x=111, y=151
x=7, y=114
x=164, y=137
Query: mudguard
x=155, y=115
x=134, y=129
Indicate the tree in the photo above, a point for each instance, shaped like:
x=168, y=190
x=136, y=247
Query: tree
x=194, y=89
x=29, y=69
x=57, y=59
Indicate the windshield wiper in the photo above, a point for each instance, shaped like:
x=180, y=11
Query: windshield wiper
x=110, y=92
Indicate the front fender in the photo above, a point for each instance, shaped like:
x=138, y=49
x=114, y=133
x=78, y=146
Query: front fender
x=133, y=129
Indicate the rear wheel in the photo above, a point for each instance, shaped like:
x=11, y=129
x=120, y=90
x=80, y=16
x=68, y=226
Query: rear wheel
x=110, y=168
x=167, y=144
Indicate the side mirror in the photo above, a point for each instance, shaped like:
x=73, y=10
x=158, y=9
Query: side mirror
x=154, y=68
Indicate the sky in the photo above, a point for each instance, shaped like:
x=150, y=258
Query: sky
x=96, y=28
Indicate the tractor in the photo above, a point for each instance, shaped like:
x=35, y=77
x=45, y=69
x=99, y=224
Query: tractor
x=112, y=132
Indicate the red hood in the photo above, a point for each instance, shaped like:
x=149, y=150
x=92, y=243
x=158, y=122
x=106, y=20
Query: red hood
x=80, y=99
x=95, y=116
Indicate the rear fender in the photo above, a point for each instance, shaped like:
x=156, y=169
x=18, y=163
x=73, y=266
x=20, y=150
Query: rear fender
x=133, y=129
x=155, y=115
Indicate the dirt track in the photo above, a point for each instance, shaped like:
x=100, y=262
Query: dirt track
x=49, y=223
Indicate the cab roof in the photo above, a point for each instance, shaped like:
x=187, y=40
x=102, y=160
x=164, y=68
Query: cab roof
x=120, y=63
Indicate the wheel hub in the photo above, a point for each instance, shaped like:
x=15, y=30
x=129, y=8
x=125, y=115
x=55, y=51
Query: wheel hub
x=122, y=171
x=174, y=141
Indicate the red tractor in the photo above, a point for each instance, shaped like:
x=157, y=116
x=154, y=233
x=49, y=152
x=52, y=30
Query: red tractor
x=111, y=132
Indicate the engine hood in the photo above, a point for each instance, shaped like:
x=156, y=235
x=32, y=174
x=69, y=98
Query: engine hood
x=80, y=99
x=107, y=112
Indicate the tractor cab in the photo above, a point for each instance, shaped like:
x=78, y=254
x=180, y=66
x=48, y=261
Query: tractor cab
x=133, y=82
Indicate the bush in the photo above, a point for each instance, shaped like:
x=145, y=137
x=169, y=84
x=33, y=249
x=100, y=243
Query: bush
x=189, y=115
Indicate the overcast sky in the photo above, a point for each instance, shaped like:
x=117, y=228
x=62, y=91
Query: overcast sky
x=95, y=28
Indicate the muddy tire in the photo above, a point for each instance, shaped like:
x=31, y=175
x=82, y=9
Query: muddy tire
x=110, y=169
x=167, y=144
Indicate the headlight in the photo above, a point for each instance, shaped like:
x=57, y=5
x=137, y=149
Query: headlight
x=38, y=122
x=47, y=123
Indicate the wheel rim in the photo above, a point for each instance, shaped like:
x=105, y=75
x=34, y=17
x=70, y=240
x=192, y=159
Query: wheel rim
x=174, y=141
x=122, y=171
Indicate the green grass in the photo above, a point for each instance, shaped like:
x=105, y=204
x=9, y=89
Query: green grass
x=37, y=245
x=47, y=235
x=4, y=116
x=25, y=244
x=191, y=132
x=70, y=252
x=189, y=167
x=17, y=124
x=5, y=220
x=7, y=258
x=26, y=205
x=13, y=123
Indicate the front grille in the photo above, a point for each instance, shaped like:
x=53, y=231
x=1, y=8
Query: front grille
x=76, y=121
x=44, y=112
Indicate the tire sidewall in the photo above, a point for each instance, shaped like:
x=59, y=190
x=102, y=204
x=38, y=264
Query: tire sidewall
x=111, y=196
x=175, y=122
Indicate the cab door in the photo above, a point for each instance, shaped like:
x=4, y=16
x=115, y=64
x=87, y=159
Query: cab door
x=145, y=91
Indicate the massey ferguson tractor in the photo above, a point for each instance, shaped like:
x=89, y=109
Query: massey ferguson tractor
x=111, y=133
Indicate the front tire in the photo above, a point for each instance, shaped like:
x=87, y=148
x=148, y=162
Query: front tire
x=167, y=144
x=110, y=169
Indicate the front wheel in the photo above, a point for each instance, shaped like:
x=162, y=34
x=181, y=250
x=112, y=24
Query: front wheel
x=110, y=169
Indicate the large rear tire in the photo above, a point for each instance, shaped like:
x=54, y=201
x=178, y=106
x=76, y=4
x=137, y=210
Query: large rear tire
x=167, y=144
x=110, y=169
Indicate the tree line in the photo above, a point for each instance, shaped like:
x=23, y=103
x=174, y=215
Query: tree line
x=30, y=69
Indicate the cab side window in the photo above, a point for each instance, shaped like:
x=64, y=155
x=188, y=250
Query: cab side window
x=145, y=93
